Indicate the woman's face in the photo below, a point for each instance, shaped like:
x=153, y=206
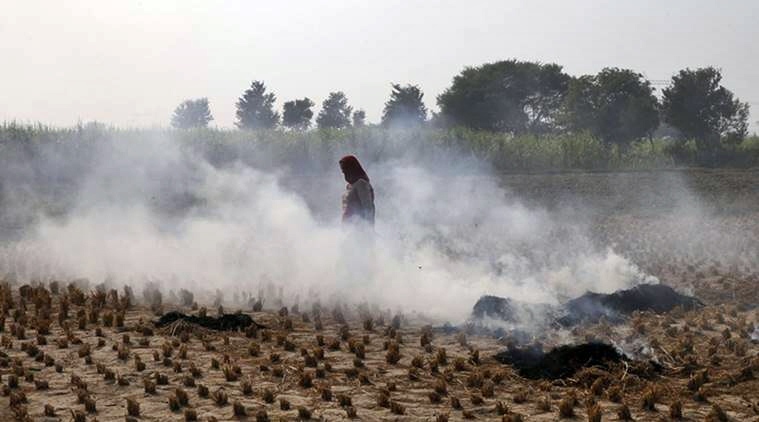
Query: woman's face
x=352, y=169
x=345, y=174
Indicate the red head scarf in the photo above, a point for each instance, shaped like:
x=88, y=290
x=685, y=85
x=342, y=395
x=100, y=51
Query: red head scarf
x=352, y=169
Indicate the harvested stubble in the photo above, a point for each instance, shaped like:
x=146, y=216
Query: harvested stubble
x=133, y=407
x=623, y=413
x=566, y=407
x=173, y=403
x=435, y=383
x=220, y=397
x=239, y=409
x=304, y=413
x=190, y=415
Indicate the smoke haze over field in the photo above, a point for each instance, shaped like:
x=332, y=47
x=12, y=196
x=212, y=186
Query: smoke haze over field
x=153, y=210
x=550, y=193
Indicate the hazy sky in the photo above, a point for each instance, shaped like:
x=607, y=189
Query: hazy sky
x=131, y=62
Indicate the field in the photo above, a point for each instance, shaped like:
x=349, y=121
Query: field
x=315, y=149
x=75, y=352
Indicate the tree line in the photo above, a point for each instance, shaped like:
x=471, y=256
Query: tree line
x=255, y=110
x=618, y=106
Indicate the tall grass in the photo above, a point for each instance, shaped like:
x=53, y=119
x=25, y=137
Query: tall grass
x=318, y=149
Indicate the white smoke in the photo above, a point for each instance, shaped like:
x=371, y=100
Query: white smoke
x=441, y=241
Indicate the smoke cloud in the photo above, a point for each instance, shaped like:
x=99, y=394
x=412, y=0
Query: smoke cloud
x=152, y=210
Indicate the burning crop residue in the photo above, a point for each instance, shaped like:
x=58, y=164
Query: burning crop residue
x=190, y=224
x=350, y=324
x=523, y=322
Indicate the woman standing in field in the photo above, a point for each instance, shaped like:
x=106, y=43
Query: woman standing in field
x=358, y=200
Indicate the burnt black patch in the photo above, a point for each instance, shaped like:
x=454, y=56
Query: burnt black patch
x=560, y=362
x=590, y=307
x=616, y=306
x=226, y=322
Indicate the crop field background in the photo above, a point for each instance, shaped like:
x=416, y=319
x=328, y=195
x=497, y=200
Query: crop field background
x=504, y=152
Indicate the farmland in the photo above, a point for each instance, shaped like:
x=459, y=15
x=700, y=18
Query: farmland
x=106, y=359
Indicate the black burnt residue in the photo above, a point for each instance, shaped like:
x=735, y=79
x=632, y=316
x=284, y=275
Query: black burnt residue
x=657, y=298
x=560, y=362
x=590, y=307
x=564, y=361
x=226, y=322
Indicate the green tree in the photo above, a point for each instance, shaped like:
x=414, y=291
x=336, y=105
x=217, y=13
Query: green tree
x=616, y=105
x=359, y=118
x=297, y=114
x=255, y=109
x=192, y=114
x=335, y=112
x=505, y=96
x=702, y=109
x=405, y=108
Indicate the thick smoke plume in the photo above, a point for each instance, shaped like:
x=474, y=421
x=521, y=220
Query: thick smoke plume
x=154, y=211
